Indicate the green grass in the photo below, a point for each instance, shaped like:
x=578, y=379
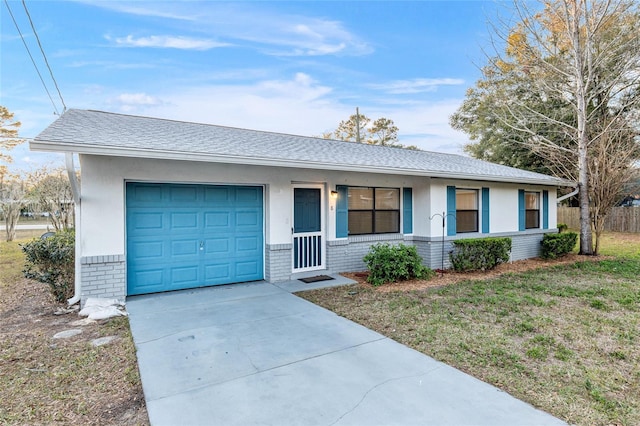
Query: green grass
x=11, y=263
x=566, y=338
x=66, y=381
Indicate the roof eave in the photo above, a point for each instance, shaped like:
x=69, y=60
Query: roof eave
x=50, y=146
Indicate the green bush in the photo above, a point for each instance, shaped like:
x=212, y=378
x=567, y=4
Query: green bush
x=556, y=245
x=475, y=254
x=562, y=227
x=389, y=263
x=51, y=261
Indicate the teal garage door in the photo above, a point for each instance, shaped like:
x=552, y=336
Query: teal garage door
x=186, y=236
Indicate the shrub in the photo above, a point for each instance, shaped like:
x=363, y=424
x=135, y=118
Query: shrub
x=556, y=245
x=475, y=254
x=562, y=227
x=51, y=261
x=389, y=263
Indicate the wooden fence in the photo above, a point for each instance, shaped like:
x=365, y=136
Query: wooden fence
x=621, y=219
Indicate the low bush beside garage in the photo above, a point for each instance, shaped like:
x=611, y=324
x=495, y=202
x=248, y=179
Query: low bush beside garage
x=389, y=263
x=480, y=254
x=557, y=245
x=51, y=261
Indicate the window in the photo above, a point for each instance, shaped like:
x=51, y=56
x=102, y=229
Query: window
x=374, y=210
x=466, y=210
x=532, y=210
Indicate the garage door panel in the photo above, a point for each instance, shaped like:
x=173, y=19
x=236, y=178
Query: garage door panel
x=184, y=220
x=181, y=276
x=218, y=221
x=246, y=269
x=149, y=280
x=218, y=274
x=147, y=249
x=248, y=196
x=217, y=245
x=184, y=236
x=183, y=194
x=143, y=220
x=248, y=246
x=219, y=195
x=185, y=248
x=145, y=193
x=248, y=220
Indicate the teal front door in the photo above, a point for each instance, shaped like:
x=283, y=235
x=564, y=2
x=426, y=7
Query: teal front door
x=184, y=236
x=308, y=243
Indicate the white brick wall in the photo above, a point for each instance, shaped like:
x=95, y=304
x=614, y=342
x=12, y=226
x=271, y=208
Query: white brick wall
x=103, y=276
x=277, y=259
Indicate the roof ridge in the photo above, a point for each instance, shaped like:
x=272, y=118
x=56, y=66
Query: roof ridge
x=262, y=131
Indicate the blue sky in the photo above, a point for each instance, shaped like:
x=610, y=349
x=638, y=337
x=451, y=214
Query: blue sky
x=293, y=67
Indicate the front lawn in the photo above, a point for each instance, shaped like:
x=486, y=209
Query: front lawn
x=66, y=381
x=565, y=338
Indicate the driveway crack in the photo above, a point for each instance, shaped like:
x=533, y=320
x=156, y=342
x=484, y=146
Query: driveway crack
x=371, y=389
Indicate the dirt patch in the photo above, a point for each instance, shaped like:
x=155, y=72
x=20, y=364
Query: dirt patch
x=451, y=277
x=69, y=381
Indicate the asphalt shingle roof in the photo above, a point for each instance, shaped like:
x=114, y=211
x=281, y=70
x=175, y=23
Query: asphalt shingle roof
x=106, y=133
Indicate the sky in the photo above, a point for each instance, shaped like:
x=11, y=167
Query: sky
x=296, y=67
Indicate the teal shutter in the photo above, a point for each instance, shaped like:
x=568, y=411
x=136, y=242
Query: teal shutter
x=342, y=212
x=545, y=209
x=407, y=211
x=521, y=210
x=485, y=210
x=451, y=210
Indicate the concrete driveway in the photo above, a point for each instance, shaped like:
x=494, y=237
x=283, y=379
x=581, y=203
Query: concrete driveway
x=254, y=354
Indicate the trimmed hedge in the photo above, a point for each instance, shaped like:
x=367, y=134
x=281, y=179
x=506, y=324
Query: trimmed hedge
x=557, y=245
x=475, y=254
x=52, y=261
x=389, y=263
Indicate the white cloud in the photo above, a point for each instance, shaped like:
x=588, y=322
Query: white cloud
x=308, y=37
x=253, y=25
x=168, y=42
x=416, y=85
x=299, y=105
x=131, y=102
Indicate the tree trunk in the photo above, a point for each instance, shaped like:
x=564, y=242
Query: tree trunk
x=11, y=220
x=586, y=239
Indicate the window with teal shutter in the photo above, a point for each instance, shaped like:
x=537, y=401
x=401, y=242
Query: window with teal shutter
x=545, y=209
x=407, y=211
x=485, y=210
x=451, y=210
x=342, y=212
x=521, y=211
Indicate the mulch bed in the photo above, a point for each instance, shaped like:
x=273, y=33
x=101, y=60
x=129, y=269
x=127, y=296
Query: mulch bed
x=449, y=277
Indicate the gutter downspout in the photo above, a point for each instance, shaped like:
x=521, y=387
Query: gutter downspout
x=571, y=194
x=75, y=189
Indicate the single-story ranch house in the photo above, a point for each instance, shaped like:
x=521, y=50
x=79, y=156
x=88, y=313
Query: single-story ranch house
x=167, y=205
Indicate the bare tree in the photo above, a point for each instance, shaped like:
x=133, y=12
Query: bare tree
x=53, y=195
x=611, y=170
x=587, y=54
x=13, y=197
x=8, y=137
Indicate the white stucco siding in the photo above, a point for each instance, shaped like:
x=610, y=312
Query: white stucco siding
x=503, y=208
x=503, y=204
x=103, y=197
x=553, y=208
x=420, y=193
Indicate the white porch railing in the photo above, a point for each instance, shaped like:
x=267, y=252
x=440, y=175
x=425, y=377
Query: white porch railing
x=308, y=251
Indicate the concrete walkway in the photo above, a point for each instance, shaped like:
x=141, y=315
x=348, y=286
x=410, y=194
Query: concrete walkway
x=254, y=354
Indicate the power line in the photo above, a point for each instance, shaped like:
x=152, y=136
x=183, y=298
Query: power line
x=31, y=56
x=43, y=55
